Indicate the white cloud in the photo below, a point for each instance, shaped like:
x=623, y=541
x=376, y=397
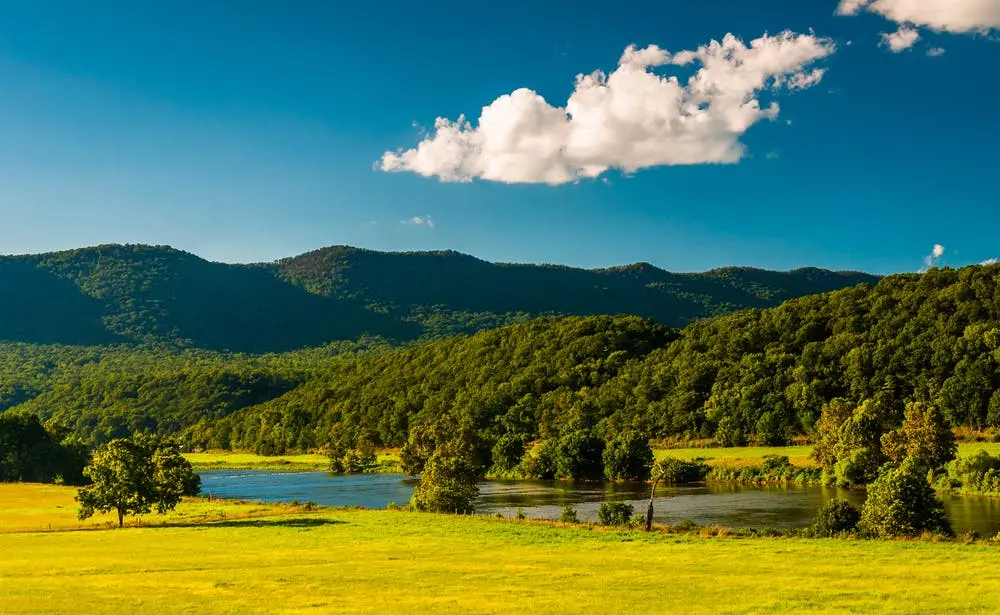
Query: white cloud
x=932, y=259
x=956, y=16
x=902, y=39
x=990, y=261
x=935, y=52
x=630, y=119
x=427, y=221
x=851, y=7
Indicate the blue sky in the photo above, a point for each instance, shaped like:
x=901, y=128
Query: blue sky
x=247, y=131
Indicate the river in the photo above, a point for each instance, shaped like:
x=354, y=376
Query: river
x=722, y=504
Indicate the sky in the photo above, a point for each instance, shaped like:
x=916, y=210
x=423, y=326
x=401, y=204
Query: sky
x=845, y=134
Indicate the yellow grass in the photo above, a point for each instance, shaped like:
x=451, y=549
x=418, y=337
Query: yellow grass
x=33, y=507
x=225, y=460
x=797, y=455
x=391, y=562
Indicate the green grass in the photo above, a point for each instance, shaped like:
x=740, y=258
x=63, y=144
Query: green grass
x=394, y=562
x=33, y=507
x=309, y=462
x=797, y=455
x=225, y=460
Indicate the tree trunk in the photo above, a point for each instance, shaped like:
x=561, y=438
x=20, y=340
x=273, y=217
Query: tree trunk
x=121, y=516
x=649, y=508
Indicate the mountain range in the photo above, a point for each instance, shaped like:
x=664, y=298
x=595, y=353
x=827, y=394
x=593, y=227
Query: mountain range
x=114, y=294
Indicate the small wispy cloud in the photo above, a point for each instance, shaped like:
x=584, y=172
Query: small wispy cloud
x=935, y=52
x=990, y=261
x=900, y=40
x=427, y=221
x=932, y=259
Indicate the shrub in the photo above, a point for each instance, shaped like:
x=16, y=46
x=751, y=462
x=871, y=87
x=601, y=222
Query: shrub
x=508, y=451
x=578, y=454
x=678, y=471
x=520, y=516
x=614, y=513
x=569, y=515
x=627, y=456
x=836, y=517
x=539, y=463
x=902, y=503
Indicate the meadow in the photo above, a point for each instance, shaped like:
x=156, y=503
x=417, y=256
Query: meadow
x=223, y=557
x=797, y=455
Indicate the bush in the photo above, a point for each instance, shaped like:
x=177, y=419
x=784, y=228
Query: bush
x=677, y=471
x=627, y=456
x=977, y=473
x=539, y=463
x=902, y=503
x=614, y=513
x=836, y=517
x=578, y=454
x=569, y=515
x=507, y=452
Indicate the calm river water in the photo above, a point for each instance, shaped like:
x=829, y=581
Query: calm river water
x=728, y=505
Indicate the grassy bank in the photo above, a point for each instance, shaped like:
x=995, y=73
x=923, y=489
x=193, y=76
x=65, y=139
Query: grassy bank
x=797, y=455
x=392, y=562
x=310, y=462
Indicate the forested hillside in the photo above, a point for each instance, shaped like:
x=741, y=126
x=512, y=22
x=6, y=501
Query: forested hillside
x=161, y=296
x=757, y=376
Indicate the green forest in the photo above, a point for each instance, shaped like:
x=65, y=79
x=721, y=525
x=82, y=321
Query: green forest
x=760, y=376
x=159, y=296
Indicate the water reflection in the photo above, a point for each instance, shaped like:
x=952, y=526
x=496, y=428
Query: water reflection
x=728, y=505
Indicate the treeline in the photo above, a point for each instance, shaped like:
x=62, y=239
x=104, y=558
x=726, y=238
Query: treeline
x=37, y=453
x=757, y=376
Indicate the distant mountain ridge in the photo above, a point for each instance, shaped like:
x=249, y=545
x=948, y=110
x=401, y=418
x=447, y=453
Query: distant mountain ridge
x=159, y=295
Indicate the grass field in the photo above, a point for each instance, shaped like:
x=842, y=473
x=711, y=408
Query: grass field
x=309, y=462
x=394, y=562
x=225, y=460
x=32, y=507
x=798, y=455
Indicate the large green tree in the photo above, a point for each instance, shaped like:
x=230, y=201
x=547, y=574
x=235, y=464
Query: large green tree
x=133, y=475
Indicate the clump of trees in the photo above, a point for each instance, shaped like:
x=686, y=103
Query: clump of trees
x=444, y=455
x=133, y=475
x=349, y=451
x=902, y=503
x=36, y=453
x=857, y=446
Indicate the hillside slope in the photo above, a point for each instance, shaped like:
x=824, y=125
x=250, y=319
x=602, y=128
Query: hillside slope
x=157, y=295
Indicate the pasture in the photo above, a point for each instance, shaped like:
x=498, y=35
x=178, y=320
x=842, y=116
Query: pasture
x=250, y=558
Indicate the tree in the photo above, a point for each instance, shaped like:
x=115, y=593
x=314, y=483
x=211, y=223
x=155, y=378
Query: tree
x=578, y=454
x=32, y=452
x=132, y=475
x=924, y=437
x=627, y=456
x=444, y=455
x=902, y=503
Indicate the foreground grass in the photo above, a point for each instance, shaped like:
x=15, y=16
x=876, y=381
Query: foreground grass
x=392, y=562
x=32, y=507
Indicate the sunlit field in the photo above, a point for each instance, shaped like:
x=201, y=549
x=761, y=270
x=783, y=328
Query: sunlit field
x=309, y=462
x=293, y=561
x=798, y=455
x=32, y=507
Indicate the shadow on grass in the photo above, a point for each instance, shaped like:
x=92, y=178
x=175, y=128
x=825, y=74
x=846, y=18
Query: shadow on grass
x=293, y=522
